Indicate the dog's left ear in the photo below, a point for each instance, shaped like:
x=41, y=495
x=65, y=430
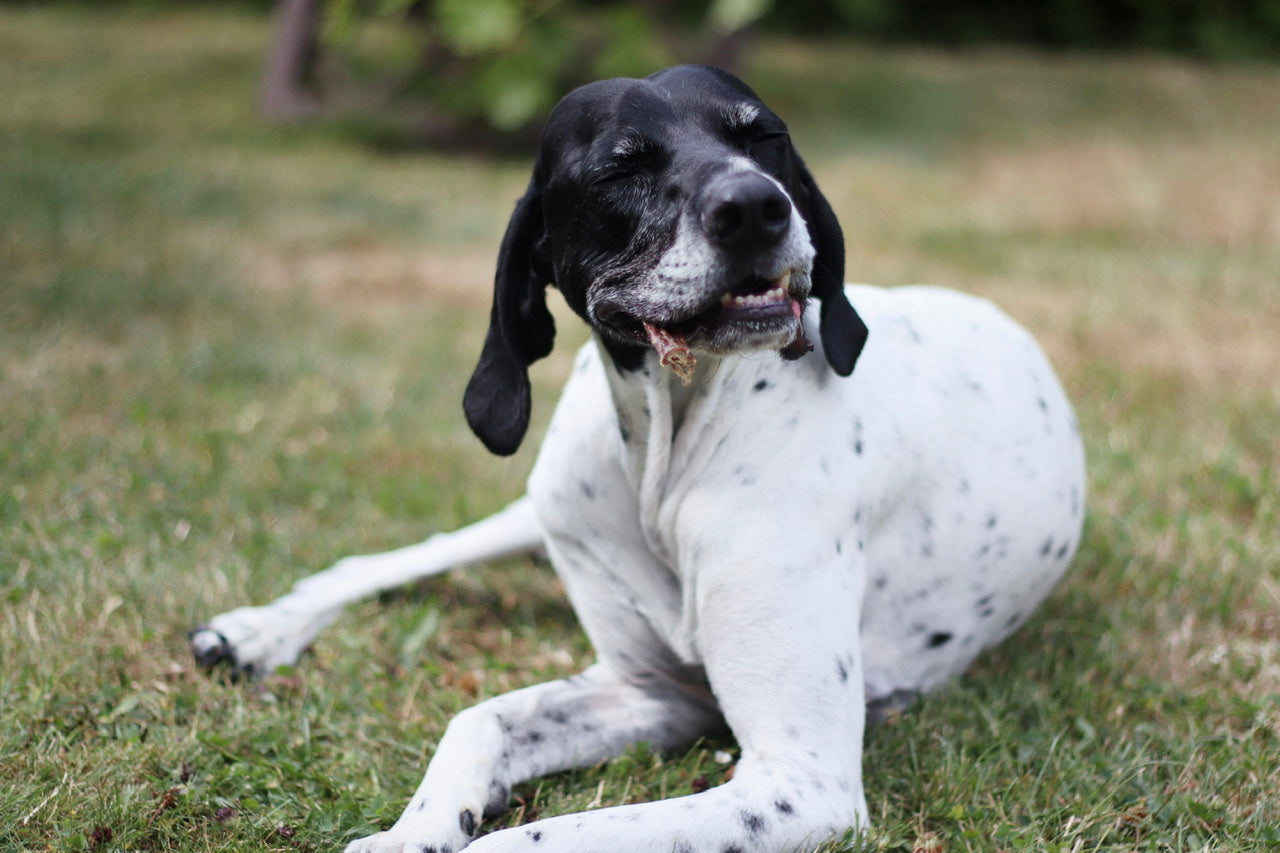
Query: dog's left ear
x=521, y=331
x=843, y=332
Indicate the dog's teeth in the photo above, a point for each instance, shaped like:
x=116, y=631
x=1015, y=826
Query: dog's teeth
x=774, y=294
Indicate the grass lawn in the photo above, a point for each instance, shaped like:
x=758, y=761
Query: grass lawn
x=230, y=354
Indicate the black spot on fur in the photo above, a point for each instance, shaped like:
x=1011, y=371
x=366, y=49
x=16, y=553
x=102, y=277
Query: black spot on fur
x=731, y=848
x=467, y=822
x=761, y=385
x=1046, y=547
x=534, y=835
x=753, y=822
x=939, y=639
x=784, y=807
x=841, y=671
x=991, y=521
x=1062, y=552
x=1013, y=620
x=588, y=490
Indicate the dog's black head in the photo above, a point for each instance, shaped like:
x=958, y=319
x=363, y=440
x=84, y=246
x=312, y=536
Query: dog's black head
x=674, y=203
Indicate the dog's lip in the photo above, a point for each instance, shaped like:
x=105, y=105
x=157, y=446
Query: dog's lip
x=755, y=299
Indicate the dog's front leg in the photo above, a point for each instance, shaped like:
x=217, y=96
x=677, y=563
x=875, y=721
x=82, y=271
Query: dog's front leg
x=573, y=722
x=257, y=640
x=780, y=644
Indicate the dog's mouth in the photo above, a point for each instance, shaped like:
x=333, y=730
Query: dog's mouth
x=754, y=303
x=758, y=310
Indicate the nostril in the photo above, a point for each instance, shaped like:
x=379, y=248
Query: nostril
x=776, y=211
x=724, y=221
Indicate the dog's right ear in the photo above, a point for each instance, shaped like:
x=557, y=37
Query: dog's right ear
x=521, y=331
x=842, y=330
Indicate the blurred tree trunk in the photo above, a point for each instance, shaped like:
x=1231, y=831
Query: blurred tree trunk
x=288, y=90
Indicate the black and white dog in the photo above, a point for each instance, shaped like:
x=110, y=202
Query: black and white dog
x=772, y=543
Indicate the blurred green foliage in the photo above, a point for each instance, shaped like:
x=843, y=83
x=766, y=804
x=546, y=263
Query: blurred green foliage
x=476, y=66
x=1215, y=29
x=501, y=64
x=1212, y=29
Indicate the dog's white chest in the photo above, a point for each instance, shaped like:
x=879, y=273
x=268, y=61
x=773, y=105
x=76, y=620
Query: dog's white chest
x=907, y=483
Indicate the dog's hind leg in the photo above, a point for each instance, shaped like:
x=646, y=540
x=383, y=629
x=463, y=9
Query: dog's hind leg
x=257, y=640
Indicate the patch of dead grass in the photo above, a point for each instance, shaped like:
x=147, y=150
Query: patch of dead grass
x=1159, y=257
x=381, y=279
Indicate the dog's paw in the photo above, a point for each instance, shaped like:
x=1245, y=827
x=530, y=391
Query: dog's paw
x=401, y=841
x=251, y=640
x=421, y=830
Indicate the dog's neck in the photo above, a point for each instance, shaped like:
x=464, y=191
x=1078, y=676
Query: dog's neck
x=652, y=402
x=662, y=424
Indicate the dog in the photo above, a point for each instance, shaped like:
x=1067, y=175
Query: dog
x=752, y=532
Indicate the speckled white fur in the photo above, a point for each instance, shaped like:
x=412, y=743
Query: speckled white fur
x=774, y=546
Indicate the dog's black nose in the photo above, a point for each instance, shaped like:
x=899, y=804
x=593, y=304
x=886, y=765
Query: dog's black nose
x=746, y=212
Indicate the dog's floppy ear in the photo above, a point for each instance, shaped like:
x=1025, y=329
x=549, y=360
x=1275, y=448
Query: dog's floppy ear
x=843, y=332
x=521, y=331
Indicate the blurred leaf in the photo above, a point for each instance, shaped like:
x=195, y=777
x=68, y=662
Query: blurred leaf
x=730, y=15
x=475, y=26
x=341, y=18
x=516, y=87
x=393, y=8
x=635, y=48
